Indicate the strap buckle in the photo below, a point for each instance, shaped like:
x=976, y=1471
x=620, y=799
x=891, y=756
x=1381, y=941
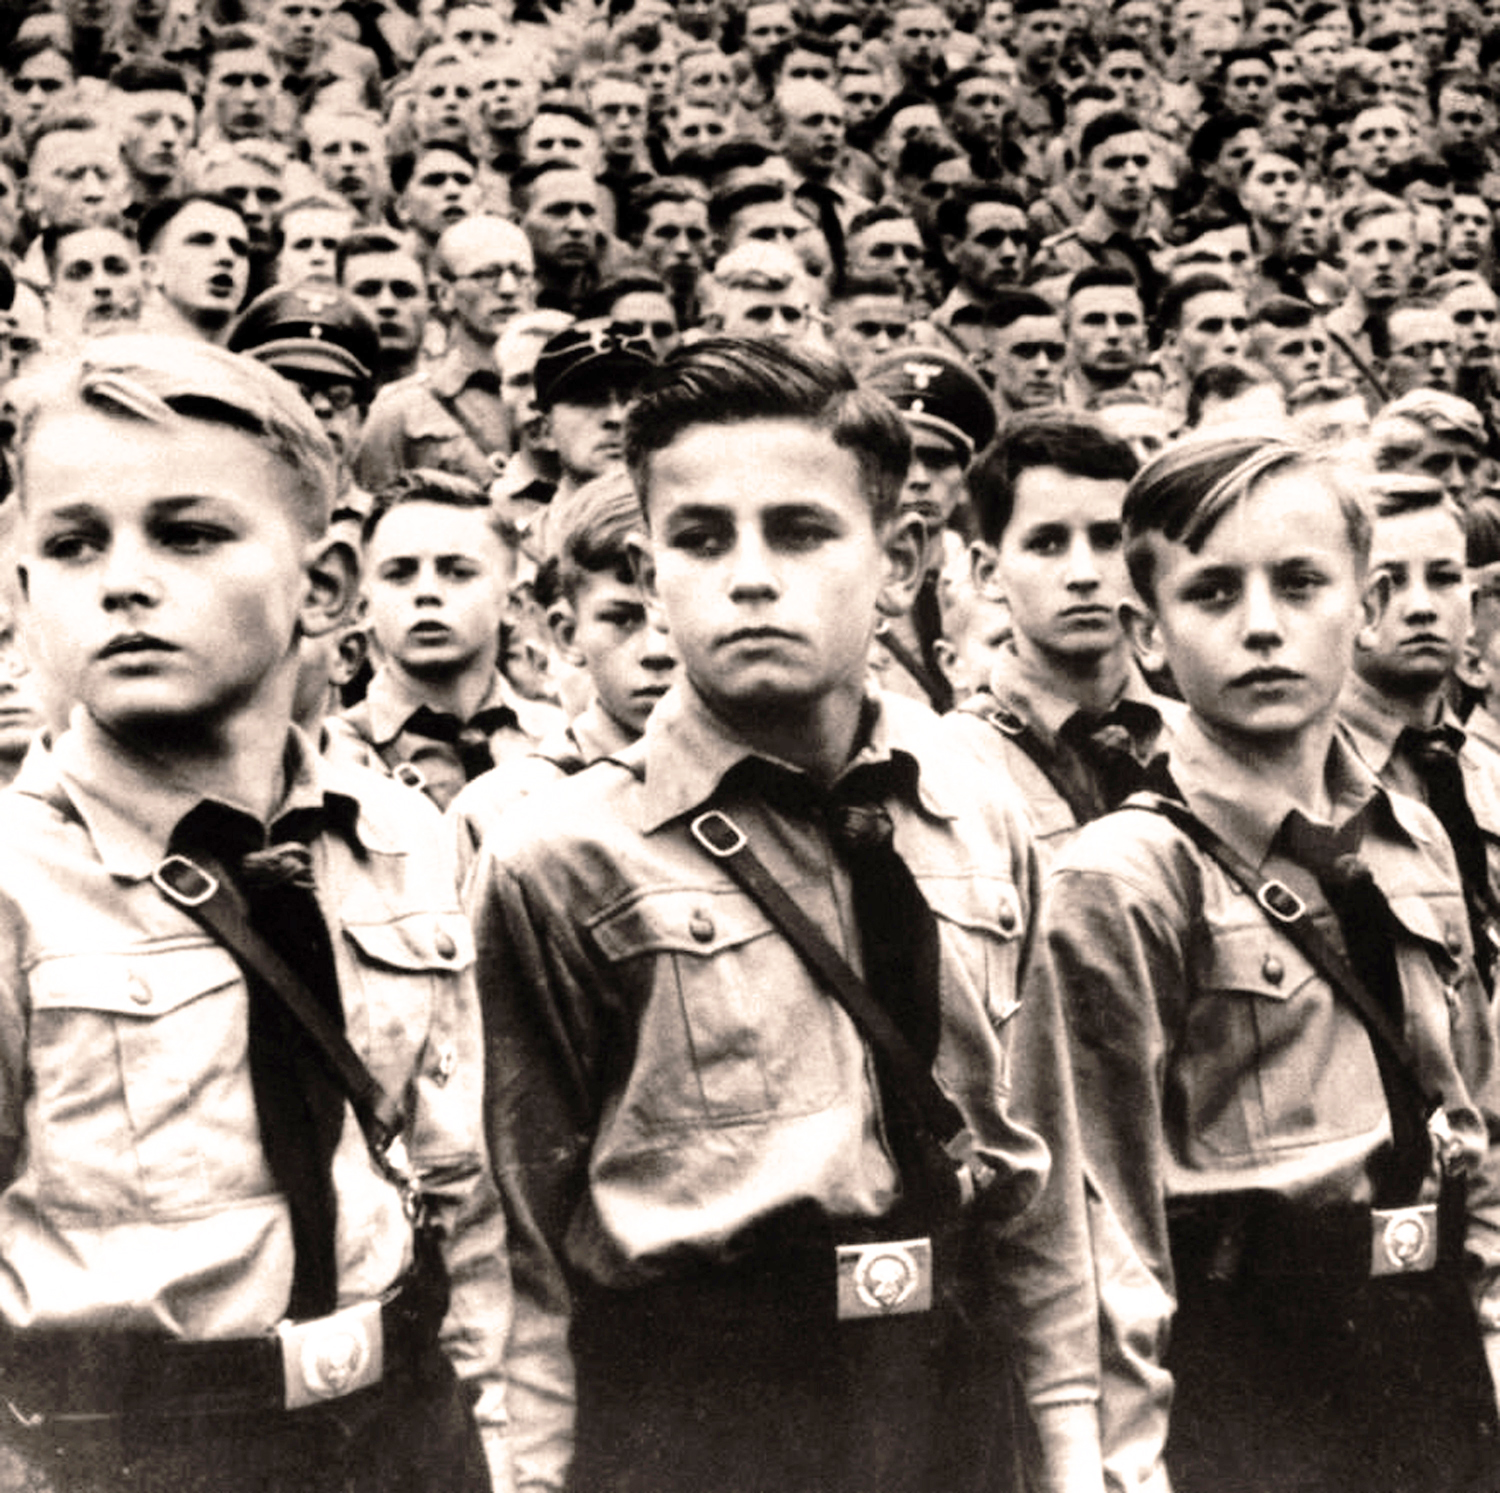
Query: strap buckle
x=718, y=834
x=185, y=882
x=411, y=775
x=1278, y=899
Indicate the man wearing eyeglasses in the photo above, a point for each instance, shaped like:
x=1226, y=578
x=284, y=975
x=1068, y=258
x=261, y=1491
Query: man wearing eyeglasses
x=319, y=338
x=450, y=416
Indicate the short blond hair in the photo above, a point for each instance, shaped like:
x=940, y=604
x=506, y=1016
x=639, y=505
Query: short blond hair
x=165, y=380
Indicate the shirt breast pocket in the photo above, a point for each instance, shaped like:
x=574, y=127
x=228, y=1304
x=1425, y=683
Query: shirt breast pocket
x=732, y=1027
x=1268, y=1058
x=390, y=995
x=142, y=1100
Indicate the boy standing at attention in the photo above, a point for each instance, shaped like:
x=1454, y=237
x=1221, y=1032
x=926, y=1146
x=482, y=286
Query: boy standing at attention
x=600, y=625
x=738, y=1252
x=1285, y=1063
x=1067, y=715
x=438, y=571
x=212, y=1280
x=1396, y=704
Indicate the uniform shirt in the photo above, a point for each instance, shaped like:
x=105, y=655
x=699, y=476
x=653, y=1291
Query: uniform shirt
x=604, y=929
x=1375, y=733
x=411, y=424
x=1026, y=694
x=141, y=1198
x=1211, y=1058
x=585, y=739
x=374, y=733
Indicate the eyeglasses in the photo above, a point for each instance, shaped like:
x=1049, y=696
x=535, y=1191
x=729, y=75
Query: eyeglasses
x=492, y=275
x=338, y=394
x=657, y=331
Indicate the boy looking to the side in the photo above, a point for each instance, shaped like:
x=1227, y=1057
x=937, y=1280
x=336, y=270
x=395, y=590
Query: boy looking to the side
x=1067, y=715
x=438, y=572
x=1396, y=705
x=728, y=1224
x=600, y=625
x=211, y=1280
x=1305, y=1239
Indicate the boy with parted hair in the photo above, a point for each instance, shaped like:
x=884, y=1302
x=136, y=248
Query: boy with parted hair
x=737, y=1238
x=1284, y=1060
x=600, y=624
x=231, y=974
x=439, y=566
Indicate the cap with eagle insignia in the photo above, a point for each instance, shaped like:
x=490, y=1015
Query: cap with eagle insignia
x=309, y=328
x=939, y=391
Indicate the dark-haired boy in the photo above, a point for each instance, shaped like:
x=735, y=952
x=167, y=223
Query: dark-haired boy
x=722, y=1215
x=439, y=566
x=212, y=1277
x=1067, y=715
x=1396, y=707
x=1293, y=1144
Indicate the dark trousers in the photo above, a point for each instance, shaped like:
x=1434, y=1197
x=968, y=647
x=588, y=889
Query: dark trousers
x=742, y=1380
x=1296, y=1385
x=413, y=1433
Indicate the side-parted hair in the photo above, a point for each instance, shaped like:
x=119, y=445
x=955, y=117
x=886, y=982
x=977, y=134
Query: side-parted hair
x=447, y=489
x=166, y=381
x=1075, y=443
x=591, y=532
x=1183, y=495
x=731, y=380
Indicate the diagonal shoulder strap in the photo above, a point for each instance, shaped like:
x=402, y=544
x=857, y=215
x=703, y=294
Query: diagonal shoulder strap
x=1289, y=912
x=204, y=891
x=723, y=839
x=1028, y=740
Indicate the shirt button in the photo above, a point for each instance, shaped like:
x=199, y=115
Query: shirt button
x=444, y=944
x=140, y=992
x=1453, y=941
x=701, y=926
x=446, y=1063
x=1273, y=970
x=1006, y=918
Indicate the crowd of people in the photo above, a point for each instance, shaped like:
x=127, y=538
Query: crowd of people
x=750, y=746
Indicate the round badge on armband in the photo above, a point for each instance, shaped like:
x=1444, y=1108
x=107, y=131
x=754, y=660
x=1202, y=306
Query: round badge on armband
x=886, y=1279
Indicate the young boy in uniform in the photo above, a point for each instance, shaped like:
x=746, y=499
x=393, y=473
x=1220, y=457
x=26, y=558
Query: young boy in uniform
x=212, y=1279
x=1067, y=715
x=734, y=1247
x=438, y=572
x=1292, y=1128
x=1396, y=705
x=600, y=625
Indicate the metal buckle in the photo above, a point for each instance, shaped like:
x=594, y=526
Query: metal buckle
x=410, y=774
x=1403, y=1241
x=1281, y=901
x=888, y=1279
x=178, y=867
x=331, y=1357
x=713, y=821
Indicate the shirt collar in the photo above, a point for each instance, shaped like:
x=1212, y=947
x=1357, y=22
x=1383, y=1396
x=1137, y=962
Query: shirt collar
x=1024, y=689
x=130, y=806
x=687, y=751
x=1484, y=727
x=1374, y=729
x=1245, y=809
x=457, y=368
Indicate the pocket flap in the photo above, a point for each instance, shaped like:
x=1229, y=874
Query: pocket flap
x=1254, y=959
x=680, y=920
x=147, y=983
x=982, y=904
x=418, y=941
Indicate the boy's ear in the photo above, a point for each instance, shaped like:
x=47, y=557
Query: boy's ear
x=1139, y=623
x=984, y=571
x=562, y=623
x=349, y=659
x=1374, y=600
x=331, y=569
x=1470, y=667
x=906, y=549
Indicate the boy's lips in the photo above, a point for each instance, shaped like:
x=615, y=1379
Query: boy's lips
x=134, y=643
x=1253, y=677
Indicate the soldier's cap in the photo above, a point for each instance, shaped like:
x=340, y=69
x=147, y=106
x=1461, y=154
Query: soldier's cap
x=586, y=358
x=938, y=391
x=310, y=328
